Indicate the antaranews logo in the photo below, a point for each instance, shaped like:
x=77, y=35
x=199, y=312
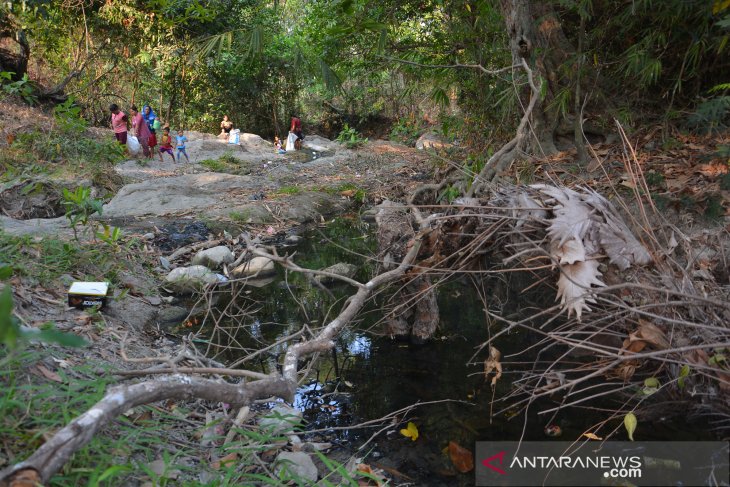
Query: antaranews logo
x=593, y=463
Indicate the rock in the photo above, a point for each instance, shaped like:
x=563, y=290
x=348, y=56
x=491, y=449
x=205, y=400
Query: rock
x=320, y=144
x=190, y=279
x=258, y=266
x=165, y=263
x=260, y=282
x=134, y=283
x=341, y=269
x=213, y=258
x=135, y=313
x=298, y=464
x=153, y=300
x=430, y=140
x=281, y=420
x=35, y=226
x=172, y=316
x=293, y=239
x=148, y=236
x=162, y=196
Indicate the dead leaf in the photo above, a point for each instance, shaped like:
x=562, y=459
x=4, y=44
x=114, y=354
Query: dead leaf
x=461, y=457
x=712, y=170
x=25, y=478
x=592, y=436
x=374, y=476
x=50, y=375
x=224, y=461
x=651, y=334
x=165, y=471
x=492, y=364
x=348, y=193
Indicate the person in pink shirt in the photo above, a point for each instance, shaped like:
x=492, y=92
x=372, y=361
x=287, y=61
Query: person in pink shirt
x=141, y=130
x=119, y=124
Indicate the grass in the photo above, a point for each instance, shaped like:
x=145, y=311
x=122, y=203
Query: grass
x=43, y=261
x=289, y=190
x=226, y=164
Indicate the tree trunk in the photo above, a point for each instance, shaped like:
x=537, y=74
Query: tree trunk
x=13, y=60
x=536, y=35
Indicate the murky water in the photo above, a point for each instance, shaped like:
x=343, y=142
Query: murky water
x=368, y=376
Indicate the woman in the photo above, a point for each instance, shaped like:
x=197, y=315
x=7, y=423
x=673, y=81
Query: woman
x=119, y=124
x=141, y=130
x=296, y=128
x=226, y=125
x=149, y=116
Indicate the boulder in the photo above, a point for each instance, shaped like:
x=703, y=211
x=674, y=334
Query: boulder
x=298, y=464
x=281, y=420
x=190, y=279
x=430, y=140
x=258, y=266
x=320, y=144
x=213, y=258
x=341, y=269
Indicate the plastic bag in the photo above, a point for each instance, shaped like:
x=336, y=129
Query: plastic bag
x=291, y=142
x=234, y=136
x=156, y=124
x=133, y=145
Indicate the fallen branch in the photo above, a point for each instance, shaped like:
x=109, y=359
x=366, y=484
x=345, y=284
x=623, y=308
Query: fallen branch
x=52, y=455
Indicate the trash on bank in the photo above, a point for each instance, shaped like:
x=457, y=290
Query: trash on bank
x=88, y=294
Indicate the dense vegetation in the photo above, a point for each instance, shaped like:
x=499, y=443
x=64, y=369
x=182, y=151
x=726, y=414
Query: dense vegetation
x=351, y=61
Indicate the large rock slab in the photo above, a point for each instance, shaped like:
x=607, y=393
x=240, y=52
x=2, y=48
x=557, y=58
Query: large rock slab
x=213, y=258
x=179, y=194
x=35, y=226
x=320, y=144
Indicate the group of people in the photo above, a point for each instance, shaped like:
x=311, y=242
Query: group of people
x=144, y=126
x=296, y=136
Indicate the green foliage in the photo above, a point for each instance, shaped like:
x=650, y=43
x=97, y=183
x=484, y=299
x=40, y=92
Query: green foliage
x=350, y=137
x=68, y=117
x=406, y=130
x=80, y=206
x=22, y=88
x=449, y=194
x=711, y=115
x=226, y=164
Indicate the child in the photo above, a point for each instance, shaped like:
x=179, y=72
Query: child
x=166, y=144
x=181, y=139
x=277, y=145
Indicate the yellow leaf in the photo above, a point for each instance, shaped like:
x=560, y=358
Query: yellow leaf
x=592, y=436
x=468, y=7
x=719, y=6
x=410, y=431
x=630, y=423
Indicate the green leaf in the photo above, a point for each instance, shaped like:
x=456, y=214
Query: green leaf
x=630, y=423
x=651, y=385
x=52, y=335
x=683, y=373
x=6, y=271
x=9, y=329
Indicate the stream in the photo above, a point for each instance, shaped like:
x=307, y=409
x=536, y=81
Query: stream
x=367, y=375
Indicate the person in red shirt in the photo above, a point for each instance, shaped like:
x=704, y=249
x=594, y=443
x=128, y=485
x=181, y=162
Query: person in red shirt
x=296, y=128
